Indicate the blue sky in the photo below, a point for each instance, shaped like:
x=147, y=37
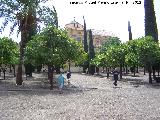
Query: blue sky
x=112, y=18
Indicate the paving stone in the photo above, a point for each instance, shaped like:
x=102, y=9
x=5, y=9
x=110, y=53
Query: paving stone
x=87, y=98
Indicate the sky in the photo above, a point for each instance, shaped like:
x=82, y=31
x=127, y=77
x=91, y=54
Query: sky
x=112, y=18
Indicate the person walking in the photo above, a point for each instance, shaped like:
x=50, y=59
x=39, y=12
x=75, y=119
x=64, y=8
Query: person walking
x=68, y=76
x=115, y=76
x=61, y=82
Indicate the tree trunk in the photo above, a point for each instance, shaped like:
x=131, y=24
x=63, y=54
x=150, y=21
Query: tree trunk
x=107, y=70
x=134, y=71
x=28, y=69
x=19, y=75
x=97, y=70
x=126, y=70
x=27, y=29
x=85, y=66
x=19, y=79
x=4, y=74
x=39, y=68
x=144, y=70
x=154, y=74
x=103, y=69
x=50, y=76
x=137, y=69
x=24, y=36
x=84, y=70
x=120, y=71
x=91, y=69
x=10, y=69
x=150, y=73
x=150, y=77
x=14, y=71
x=69, y=66
x=123, y=69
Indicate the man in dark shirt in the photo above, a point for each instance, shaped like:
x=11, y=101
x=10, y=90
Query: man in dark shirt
x=115, y=76
x=68, y=76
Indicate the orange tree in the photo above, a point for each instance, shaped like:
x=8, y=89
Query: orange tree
x=52, y=47
x=149, y=53
x=8, y=53
x=25, y=14
x=113, y=56
x=116, y=56
x=132, y=59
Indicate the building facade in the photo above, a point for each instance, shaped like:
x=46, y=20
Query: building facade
x=99, y=37
x=75, y=30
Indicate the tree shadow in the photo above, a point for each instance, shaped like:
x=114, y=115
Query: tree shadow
x=139, y=82
x=100, y=76
x=95, y=75
x=153, y=85
x=39, y=87
x=6, y=77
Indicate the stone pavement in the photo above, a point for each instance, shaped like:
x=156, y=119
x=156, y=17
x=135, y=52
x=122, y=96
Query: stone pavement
x=88, y=98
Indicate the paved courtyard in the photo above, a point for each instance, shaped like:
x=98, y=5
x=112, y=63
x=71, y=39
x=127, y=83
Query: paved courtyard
x=87, y=98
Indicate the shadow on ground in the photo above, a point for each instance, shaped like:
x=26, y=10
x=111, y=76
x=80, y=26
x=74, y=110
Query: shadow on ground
x=37, y=86
x=136, y=82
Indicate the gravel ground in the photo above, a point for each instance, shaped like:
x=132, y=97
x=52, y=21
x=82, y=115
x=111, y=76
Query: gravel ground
x=87, y=98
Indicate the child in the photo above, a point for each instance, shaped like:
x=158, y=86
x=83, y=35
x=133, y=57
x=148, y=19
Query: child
x=61, y=82
x=68, y=76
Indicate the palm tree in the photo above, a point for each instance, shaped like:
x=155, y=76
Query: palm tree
x=25, y=14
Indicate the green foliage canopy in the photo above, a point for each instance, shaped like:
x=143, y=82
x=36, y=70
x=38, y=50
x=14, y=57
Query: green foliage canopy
x=148, y=50
x=110, y=41
x=138, y=52
x=116, y=55
x=25, y=14
x=53, y=47
x=104, y=58
x=9, y=51
x=132, y=57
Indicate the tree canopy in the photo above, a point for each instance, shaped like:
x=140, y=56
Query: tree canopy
x=53, y=47
x=9, y=51
x=139, y=52
x=109, y=41
x=26, y=14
